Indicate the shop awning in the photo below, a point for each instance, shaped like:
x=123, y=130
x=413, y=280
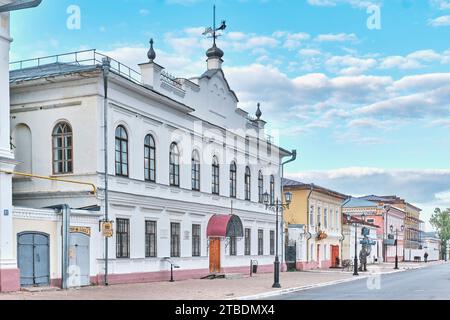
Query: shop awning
x=221, y=225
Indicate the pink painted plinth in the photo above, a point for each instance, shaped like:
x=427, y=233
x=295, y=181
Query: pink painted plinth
x=9, y=280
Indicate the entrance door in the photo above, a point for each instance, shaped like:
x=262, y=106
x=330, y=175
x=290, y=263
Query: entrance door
x=79, y=269
x=33, y=259
x=319, y=259
x=214, y=255
x=335, y=256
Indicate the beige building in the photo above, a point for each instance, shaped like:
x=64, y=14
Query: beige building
x=317, y=212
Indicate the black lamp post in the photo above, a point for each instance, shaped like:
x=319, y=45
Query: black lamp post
x=396, y=243
x=355, y=260
x=276, y=206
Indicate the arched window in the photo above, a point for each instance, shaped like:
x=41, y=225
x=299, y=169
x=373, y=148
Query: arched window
x=174, y=165
x=62, y=148
x=272, y=189
x=121, y=151
x=215, y=175
x=150, y=158
x=195, y=171
x=233, y=171
x=247, y=183
x=260, y=187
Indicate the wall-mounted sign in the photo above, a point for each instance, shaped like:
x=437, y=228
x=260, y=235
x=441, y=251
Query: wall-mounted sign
x=84, y=230
x=107, y=229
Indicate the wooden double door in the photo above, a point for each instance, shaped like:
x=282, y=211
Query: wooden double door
x=214, y=255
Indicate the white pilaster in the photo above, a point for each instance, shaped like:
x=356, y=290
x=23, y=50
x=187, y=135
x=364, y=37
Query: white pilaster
x=9, y=275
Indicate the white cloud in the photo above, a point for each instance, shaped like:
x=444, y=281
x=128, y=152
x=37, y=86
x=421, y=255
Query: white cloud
x=361, y=4
x=440, y=21
x=427, y=187
x=441, y=4
x=349, y=65
x=336, y=37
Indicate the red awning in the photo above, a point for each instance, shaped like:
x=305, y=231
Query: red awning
x=223, y=225
x=217, y=225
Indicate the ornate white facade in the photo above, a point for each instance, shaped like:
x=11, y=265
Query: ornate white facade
x=199, y=115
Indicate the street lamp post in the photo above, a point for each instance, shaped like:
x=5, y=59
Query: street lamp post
x=396, y=244
x=276, y=206
x=355, y=260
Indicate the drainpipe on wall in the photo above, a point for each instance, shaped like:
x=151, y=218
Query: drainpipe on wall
x=106, y=64
x=293, y=158
x=64, y=209
x=311, y=188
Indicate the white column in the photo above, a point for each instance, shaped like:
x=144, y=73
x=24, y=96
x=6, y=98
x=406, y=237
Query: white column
x=9, y=275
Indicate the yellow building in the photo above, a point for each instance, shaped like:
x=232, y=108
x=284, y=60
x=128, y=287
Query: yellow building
x=317, y=212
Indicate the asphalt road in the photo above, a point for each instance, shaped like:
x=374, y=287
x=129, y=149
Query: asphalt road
x=430, y=283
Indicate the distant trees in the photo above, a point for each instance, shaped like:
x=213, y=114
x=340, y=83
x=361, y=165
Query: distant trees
x=440, y=220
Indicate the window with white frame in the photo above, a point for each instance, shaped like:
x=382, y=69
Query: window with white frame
x=247, y=184
x=272, y=189
x=174, y=165
x=325, y=218
x=215, y=176
x=195, y=168
x=233, y=184
x=62, y=148
x=121, y=151
x=311, y=215
x=319, y=216
x=150, y=158
x=260, y=187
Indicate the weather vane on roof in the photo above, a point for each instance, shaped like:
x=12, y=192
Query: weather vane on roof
x=213, y=31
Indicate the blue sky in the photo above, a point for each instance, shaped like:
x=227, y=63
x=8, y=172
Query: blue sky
x=368, y=110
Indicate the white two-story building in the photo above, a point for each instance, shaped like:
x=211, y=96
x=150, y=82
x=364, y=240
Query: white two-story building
x=186, y=168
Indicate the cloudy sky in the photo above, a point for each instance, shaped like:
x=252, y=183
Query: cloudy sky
x=365, y=101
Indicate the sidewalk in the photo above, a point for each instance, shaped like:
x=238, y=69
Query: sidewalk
x=258, y=286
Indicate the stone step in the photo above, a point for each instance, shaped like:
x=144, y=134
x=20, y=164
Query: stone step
x=39, y=289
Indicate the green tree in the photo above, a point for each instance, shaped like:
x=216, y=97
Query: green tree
x=440, y=221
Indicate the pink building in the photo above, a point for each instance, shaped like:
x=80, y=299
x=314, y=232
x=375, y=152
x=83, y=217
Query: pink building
x=388, y=218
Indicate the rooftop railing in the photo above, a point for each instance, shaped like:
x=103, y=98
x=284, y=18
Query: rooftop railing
x=171, y=80
x=80, y=58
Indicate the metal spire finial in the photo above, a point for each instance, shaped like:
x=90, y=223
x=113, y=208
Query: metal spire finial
x=213, y=31
x=258, y=112
x=151, y=53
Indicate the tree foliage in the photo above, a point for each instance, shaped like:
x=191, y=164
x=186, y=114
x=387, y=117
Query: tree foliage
x=440, y=221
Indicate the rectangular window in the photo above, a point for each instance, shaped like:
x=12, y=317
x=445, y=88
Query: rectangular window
x=123, y=238
x=196, y=240
x=272, y=242
x=311, y=215
x=150, y=239
x=233, y=246
x=336, y=224
x=174, y=239
x=248, y=242
x=325, y=218
x=260, y=242
x=319, y=217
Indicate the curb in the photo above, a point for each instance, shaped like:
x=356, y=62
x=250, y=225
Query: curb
x=296, y=289
x=324, y=284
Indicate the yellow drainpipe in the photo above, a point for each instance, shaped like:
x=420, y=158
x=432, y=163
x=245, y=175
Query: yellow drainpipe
x=94, y=188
